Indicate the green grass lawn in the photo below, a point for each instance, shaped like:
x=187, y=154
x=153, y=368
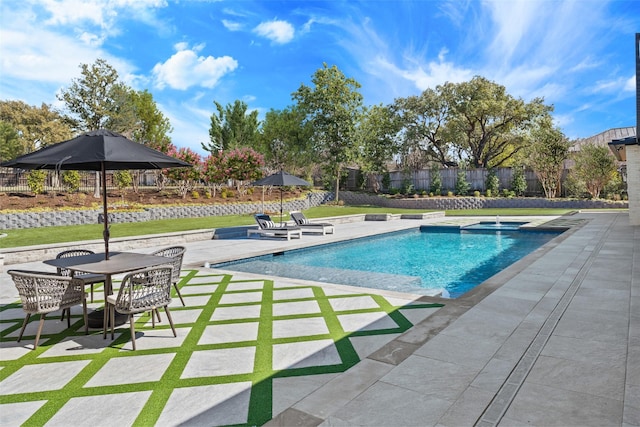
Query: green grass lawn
x=71, y=233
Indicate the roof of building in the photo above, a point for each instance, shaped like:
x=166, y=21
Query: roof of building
x=604, y=138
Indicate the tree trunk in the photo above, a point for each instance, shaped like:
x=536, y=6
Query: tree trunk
x=96, y=188
x=337, y=187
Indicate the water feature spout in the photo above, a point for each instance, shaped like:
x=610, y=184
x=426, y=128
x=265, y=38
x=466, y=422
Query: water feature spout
x=497, y=219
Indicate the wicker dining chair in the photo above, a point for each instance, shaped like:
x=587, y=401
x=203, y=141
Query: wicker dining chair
x=87, y=278
x=175, y=254
x=42, y=293
x=140, y=291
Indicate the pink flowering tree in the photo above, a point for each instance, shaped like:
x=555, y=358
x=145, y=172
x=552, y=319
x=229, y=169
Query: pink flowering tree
x=186, y=178
x=243, y=164
x=214, y=169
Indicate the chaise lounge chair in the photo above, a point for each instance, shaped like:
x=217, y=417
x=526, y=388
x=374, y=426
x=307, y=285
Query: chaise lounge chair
x=311, y=227
x=266, y=227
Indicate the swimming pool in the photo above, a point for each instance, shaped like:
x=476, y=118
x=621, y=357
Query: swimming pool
x=423, y=260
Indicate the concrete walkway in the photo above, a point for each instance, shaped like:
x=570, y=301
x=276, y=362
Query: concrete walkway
x=552, y=340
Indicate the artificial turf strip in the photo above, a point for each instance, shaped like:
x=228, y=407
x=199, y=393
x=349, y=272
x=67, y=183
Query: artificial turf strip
x=159, y=391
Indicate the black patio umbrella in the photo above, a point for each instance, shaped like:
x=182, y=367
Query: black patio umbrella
x=99, y=150
x=282, y=179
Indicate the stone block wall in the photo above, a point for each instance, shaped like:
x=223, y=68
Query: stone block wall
x=9, y=221
x=454, y=203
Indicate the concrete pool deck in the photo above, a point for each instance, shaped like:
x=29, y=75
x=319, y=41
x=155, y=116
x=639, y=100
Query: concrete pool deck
x=552, y=340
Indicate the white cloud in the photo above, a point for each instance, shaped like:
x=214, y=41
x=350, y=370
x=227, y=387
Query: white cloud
x=186, y=69
x=613, y=86
x=231, y=25
x=630, y=85
x=280, y=32
x=96, y=20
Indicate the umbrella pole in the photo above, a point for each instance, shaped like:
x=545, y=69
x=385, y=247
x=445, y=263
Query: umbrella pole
x=280, y=206
x=105, y=232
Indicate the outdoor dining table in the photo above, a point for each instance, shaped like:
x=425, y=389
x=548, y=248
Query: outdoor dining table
x=118, y=262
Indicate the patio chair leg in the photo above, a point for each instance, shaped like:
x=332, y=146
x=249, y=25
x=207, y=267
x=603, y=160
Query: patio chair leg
x=158, y=315
x=85, y=317
x=24, y=325
x=92, y=292
x=166, y=310
x=133, y=332
x=35, y=344
x=175, y=285
x=105, y=320
x=153, y=318
x=112, y=318
x=68, y=317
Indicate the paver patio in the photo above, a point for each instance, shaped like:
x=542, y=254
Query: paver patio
x=553, y=340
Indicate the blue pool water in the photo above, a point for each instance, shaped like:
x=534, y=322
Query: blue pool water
x=415, y=261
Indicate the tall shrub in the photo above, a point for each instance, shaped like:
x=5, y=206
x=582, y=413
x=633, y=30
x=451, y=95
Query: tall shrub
x=71, y=180
x=462, y=185
x=35, y=181
x=518, y=181
x=436, y=180
x=492, y=183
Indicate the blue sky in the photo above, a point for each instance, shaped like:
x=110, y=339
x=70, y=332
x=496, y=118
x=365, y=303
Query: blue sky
x=578, y=55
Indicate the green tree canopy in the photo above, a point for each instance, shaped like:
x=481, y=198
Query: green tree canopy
x=333, y=107
x=153, y=127
x=232, y=127
x=376, y=140
x=546, y=153
x=10, y=146
x=286, y=140
x=36, y=127
x=98, y=100
x=595, y=166
x=486, y=123
x=423, y=119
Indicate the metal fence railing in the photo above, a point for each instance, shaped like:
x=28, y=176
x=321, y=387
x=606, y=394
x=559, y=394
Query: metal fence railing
x=12, y=181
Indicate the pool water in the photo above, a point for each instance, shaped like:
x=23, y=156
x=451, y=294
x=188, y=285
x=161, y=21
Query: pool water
x=419, y=261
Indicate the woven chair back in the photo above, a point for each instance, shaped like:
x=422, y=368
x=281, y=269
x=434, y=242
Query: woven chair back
x=175, y=255
x=42, y=292
x=72, y=253
x=145, y=290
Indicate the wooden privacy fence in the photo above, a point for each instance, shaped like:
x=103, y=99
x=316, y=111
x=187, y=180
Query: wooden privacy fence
x=421, y=180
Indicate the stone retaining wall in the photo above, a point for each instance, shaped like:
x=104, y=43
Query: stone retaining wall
x=10, y=221
x=453, y=203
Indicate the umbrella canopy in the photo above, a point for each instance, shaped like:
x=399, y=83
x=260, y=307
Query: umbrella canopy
x=282, y=179
x=99, y=150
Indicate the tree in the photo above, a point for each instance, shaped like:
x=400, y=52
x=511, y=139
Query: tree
x=186, y=178
x=423, y=119
x=333, y=107
x=595, y=166
x=232, y=127
x=243, y=164
x=10, y=146
x=487, y=123
x=36, y=127
x=152, y=128
x=376, y=141
x=93, y=100
x=547, y=151
x=286, y=140
x=98, y=101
